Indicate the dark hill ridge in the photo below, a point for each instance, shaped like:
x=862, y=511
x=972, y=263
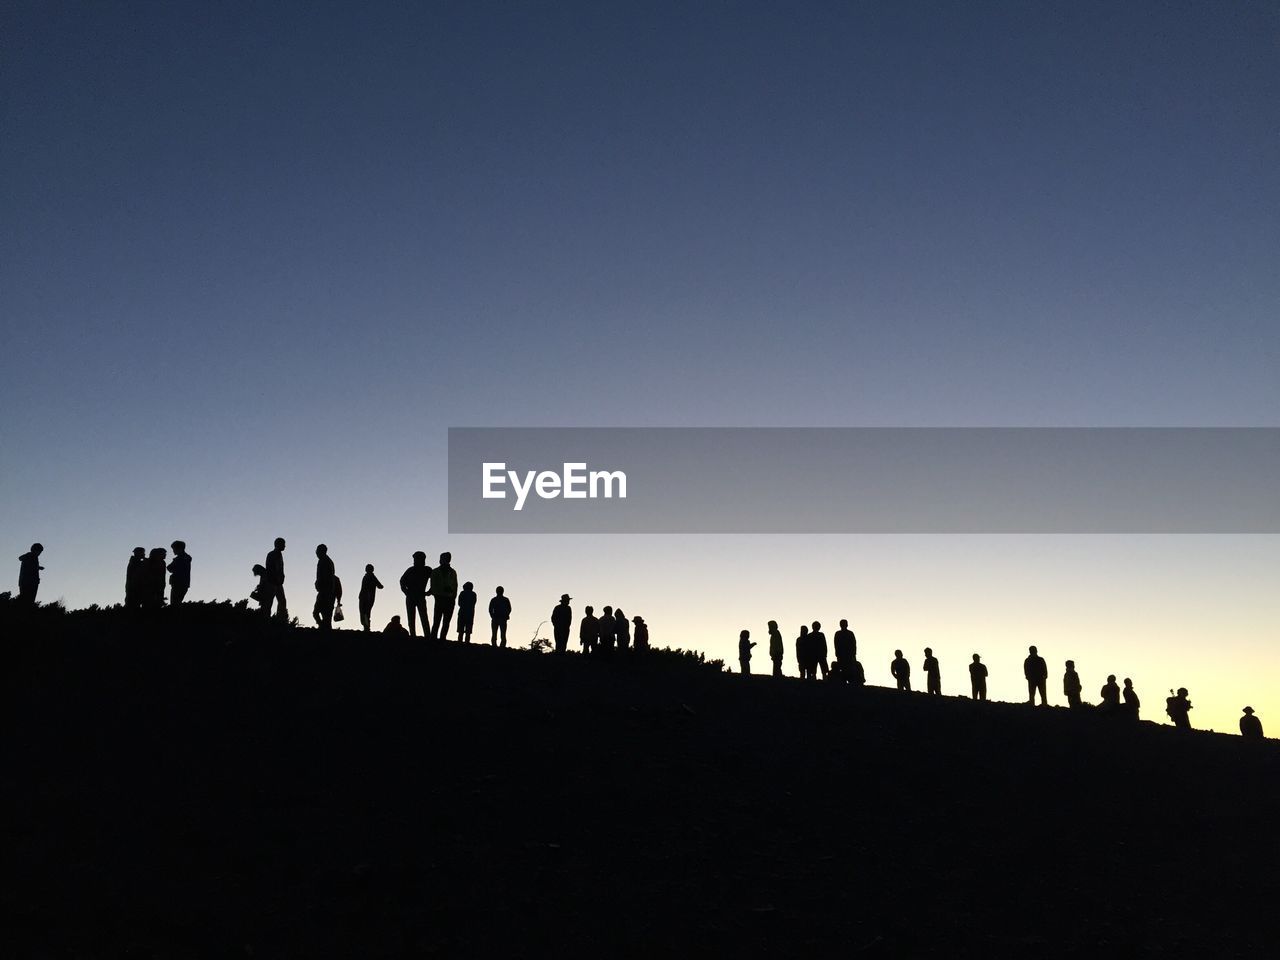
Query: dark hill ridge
x=210, y=785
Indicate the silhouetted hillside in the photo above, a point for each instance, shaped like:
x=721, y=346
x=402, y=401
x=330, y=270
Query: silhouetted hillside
x=204, y=784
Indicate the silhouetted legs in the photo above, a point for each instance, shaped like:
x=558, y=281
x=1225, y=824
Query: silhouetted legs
x=1034, y=686
x=777, y=666
x=416, y=605
x=933, y=685
x=282, y=607
x=746, y=667
x=821, y=664
x=366, y=615
x=979, y=689
x=322, y=613
x=561, y=632
x=443, y=617
x=499, y=626
x=177, y=593
x=466, y=620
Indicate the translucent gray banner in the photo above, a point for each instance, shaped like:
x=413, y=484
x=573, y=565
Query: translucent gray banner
x=864, y=480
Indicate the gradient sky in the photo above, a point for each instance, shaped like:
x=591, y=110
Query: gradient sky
x=256, y=258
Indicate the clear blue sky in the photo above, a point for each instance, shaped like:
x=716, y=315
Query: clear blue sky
x=256, y=258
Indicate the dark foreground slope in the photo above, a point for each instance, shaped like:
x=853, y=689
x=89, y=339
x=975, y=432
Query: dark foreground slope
x=209, y=787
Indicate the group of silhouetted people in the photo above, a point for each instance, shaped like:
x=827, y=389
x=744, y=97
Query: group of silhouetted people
x=148, y=573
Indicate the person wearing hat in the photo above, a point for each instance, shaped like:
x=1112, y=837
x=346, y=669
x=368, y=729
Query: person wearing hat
x=1250, y=726
x=641, y=634
x=561, y=621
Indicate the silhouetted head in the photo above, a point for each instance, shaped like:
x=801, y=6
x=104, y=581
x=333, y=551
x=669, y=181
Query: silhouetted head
x=898, y=654
x=928, y=651
x=744, y=634
x=1182, y=691
x=816, y=626
x=1111, y=678
x=419, y=558
x=396, y=620
x=279, y=543
x=468, y=585
x=637, y=619
x=608, y=611
x=259, y=569
x=139, y=552
x=590, y=610
x=773, y=624
x=1128, y=684
x=499, y=591
x=619, y=615
x=321, y=549
x=1031, y=650
x=1248, y=710
x=178, y=546
x=445, y=557
x=565, y=598
x=159, y=553
x=1071, y=664
x=804, y=631
x=976, y=658
x=844, y=624
x=37, y=548
x=368, y=568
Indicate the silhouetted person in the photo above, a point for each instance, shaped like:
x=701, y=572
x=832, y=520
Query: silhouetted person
x=1037, y=673
x=838, y=673
x=1110, y=695
x=154, y=579
x=606, y=630
x=857, y=675
x=466, y=612
x=1131, y=702
x=29, y=573
x=179, y=573
x=1071, y=685
x=413, y=584
x=1178, y=707
x=804, y=655
x=561, y=621
x=776, y=649
x=263, y=592
x=818, y=646
x=932, y=674
x=395, y=628
x=326, y=589
x=275, y=577
x=589, y=631
x=744, y=652
x=1250, y=726
x=641, y=634
x=135, y=578
x=978, y=678
x=499, y=614
x=901, y=671
x=444, y=588
x=845, y=644
x=369, y=587
x=621, y=629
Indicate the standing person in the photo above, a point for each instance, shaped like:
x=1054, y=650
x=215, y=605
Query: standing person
x=1178, y=707
x=744, y=652
x=561, y=621
x=326, y=589
x=1250, y=726
x=1037, y=673
x=804, y=654
x=369, y=587
x=606, y=630
x=845, y=645
x=1071, y=685
x=818, y=644
x=153, y=579
x=1110, y=696
x=179, y=573
x=901, y=671
x=775, y=647
x=1131, y=702
x=621, y=629
x=466, y=612
x=978, y=678
x=135, y=576
x=413, y=584
x=275, y=577
x=932, y=674
x=499, y=614
x=641, y=634
x=589, y=631
x=29, y=574
x=444, y=587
